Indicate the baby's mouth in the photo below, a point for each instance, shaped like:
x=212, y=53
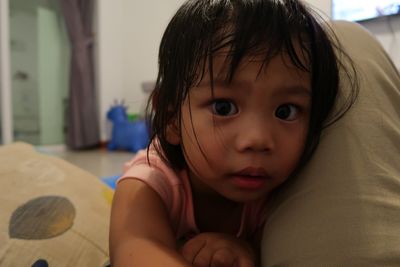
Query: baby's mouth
x=250, y=178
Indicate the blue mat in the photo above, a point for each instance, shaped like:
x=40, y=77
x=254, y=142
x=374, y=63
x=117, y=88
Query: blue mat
x=111, y=180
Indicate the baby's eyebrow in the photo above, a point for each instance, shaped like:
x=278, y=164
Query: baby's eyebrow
x=294, y=90
x=216, y=82
x=223, y=81
x=284, y=90
x=291, y=89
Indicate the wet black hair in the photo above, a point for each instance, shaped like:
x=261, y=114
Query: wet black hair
x=200, y=28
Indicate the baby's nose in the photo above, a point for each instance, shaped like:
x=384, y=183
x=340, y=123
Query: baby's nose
x=256, y=137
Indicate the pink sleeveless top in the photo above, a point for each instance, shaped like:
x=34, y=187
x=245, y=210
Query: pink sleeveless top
x=175, y=191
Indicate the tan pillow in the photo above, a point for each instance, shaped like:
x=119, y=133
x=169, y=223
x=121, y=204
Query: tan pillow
x=50, y=210
x=344, y=208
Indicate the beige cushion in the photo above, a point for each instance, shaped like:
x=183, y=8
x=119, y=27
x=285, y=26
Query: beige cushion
x=50, y=210
x=344, y=208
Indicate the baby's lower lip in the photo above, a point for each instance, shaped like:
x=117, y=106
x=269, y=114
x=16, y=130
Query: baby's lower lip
x=249, y=182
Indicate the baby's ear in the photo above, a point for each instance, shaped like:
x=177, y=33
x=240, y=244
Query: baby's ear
x=173, y=133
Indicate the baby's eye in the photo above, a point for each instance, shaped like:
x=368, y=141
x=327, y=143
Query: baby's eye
x=224, y=108
x=287, y=112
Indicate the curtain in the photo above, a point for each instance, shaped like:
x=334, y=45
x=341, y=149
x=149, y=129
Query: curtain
x=82, y=116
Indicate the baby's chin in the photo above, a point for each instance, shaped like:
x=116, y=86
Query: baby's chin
x=246, y=197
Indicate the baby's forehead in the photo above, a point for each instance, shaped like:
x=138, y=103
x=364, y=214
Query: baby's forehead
x=277, y=71
x=263, y=49
x=225, y=63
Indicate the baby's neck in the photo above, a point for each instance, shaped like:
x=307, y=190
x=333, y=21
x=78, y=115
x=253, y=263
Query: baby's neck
x=217, y=216
x=213, y=212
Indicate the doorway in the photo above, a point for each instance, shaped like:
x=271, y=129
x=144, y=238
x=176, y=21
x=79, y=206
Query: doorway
x=39, y=66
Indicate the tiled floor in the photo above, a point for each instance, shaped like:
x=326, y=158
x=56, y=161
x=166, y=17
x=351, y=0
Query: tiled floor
x=100, y=162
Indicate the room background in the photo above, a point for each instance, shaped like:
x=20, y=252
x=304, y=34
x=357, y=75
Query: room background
x=129, y=33
x=126, y=38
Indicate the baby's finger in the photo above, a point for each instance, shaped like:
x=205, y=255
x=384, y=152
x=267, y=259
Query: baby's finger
x=244, y=261
x=223, y=258
x=203, y=258
x=192, y=248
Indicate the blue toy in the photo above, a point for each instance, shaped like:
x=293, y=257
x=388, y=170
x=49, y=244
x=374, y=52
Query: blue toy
x=126, y=135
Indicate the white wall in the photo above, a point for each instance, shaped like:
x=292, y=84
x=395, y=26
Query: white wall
x=128, y=35
x=110, y=56
x=142, y=41
x=323, y=7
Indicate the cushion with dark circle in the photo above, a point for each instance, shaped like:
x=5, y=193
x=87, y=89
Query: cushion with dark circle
x=51, y=212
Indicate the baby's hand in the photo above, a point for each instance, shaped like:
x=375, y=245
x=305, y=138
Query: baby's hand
x=218, y=250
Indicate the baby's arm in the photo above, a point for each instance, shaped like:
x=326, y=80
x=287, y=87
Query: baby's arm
x=219, y=250
x=140, y=232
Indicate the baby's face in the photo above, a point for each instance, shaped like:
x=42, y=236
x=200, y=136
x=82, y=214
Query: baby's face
x=246, y=138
